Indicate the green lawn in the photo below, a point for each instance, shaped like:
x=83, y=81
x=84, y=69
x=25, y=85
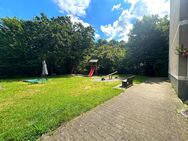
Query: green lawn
x=27, y=111
x=137, y=80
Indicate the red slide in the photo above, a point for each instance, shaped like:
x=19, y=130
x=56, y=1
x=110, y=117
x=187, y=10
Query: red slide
x=91, y=72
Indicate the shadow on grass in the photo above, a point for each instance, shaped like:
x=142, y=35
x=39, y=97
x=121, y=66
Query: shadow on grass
x=157, y=80
x=138, y=78
x=37, y=77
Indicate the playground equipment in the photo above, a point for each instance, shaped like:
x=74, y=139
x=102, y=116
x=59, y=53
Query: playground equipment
x=93, y=65
x=109, y=75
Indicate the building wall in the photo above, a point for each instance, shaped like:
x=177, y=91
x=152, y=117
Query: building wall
x=178, y=65
x=174, y=37
x=183, y=10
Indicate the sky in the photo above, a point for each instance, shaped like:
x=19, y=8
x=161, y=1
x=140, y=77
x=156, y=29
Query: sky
x=111, y=19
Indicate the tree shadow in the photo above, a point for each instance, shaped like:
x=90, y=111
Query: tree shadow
x=157, y=80
x=37, y=77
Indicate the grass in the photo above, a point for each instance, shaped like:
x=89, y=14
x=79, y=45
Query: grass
x=137, y=80
x=27, y=111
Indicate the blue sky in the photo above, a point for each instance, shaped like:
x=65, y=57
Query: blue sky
x=111, y=19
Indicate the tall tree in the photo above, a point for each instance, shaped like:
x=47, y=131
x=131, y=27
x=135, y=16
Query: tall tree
x=148, y=46
x=25, y=43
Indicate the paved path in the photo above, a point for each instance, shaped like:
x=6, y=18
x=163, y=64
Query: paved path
x=145, y=112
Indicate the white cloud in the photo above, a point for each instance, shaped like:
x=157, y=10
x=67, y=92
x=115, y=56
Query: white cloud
x=97, y=36
x=76, y=19
x=116, y=7
x=73, y=7
x=122, y=26
x=160, y=7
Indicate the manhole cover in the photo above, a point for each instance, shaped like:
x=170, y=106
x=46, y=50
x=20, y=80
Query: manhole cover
x=185, y=113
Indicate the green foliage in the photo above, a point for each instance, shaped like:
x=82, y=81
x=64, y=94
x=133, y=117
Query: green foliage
x=67, y=47
x=181, y=50
x=24, y=44
x=148, y=47
x=110, y=54
x=110, y=58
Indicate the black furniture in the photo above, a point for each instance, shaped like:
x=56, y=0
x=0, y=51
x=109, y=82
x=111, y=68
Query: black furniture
x=128, y=82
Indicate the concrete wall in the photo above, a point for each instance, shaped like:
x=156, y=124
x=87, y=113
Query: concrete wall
x=174, y=37
x=183, y=9
x=178, y=65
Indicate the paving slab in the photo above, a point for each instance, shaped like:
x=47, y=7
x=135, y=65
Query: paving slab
x=145, y=112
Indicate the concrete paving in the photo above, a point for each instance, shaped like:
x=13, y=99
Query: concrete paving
x=145, y=112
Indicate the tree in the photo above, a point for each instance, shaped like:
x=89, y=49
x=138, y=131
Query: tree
x=101, y=42
x=110, y=58
x=110, y=54
x=25, y=43
x=148, y=46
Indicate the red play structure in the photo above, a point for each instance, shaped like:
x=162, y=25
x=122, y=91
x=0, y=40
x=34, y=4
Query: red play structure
x=93, y=64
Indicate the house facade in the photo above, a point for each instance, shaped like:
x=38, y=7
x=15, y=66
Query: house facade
x=178, y=64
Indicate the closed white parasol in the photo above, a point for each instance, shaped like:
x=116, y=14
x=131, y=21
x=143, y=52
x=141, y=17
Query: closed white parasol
x=44, y=68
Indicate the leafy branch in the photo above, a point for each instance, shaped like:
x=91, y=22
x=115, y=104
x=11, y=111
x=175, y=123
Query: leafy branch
x=182, y=50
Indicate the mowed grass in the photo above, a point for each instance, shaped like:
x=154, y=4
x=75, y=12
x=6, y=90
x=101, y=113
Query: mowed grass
x=137, y=80
x=29, y=110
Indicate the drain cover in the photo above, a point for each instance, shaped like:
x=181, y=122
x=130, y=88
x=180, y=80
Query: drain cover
x=185, y=113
